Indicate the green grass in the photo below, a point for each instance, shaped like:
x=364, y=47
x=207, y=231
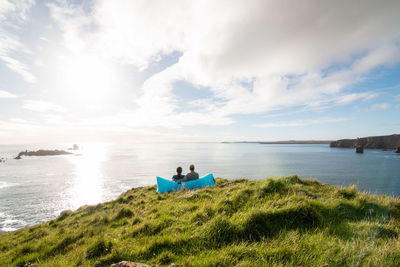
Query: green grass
x=284, y=221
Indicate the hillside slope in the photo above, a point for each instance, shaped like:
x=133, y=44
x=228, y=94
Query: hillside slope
x=284, y=221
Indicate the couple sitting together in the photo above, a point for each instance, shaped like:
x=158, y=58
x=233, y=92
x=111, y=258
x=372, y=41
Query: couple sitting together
x=179, y=177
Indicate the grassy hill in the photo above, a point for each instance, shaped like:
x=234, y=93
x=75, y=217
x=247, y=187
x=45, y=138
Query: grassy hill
x=284, y=221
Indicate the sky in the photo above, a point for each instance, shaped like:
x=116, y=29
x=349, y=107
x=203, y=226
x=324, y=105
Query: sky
x=167, y=71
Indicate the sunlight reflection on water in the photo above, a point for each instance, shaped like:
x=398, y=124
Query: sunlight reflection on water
x=87, y=184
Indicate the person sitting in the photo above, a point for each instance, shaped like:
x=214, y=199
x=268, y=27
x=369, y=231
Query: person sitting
x=178, y=176
x=192, y=175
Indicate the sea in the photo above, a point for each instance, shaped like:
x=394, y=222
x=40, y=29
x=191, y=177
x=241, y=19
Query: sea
x=36, y=189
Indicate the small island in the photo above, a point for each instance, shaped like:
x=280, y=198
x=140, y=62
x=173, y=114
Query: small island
x=42, y=152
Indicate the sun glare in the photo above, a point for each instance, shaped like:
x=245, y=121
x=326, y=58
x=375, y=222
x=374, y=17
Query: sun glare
x=87, y=185
x=87, y=79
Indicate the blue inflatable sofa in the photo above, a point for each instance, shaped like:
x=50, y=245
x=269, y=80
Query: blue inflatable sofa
x=165, y=185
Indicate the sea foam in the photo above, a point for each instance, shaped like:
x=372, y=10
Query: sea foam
x=8, y=223
x=4, y=184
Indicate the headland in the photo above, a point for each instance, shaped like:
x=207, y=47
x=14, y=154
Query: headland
x=284, y=221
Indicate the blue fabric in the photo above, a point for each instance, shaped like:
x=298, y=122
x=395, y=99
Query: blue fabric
x=164, y=185
x=175, y=177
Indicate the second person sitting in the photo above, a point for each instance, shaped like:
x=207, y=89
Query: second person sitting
x=192, y=175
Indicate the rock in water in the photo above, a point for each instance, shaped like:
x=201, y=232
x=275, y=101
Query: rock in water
x=74, y=147
x=359, y=149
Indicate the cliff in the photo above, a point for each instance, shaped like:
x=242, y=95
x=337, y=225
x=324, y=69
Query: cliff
x=380, y=142
x=286, y=221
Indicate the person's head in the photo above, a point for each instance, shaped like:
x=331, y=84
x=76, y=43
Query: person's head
x=191, y=167
x=179, y=170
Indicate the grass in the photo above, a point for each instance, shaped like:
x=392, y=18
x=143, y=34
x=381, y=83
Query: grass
x=283, y=221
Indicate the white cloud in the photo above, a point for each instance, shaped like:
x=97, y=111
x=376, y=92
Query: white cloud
x=5, y=94
x=286, y=49
x=18, y=8
x=12, y=14
x=42, y=106
x=349, y=98
x=301, y=123
x=380, y=106
x=19, y=67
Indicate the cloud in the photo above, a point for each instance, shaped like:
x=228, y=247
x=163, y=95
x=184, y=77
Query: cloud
x=301, y=123
x=253, y=57
x=380, y=106
x=5, y=94
x=12, y=14
x=19, y=68
x=42, y=106
x=349, y=98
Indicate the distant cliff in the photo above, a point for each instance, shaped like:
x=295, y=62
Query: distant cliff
x=381, y=142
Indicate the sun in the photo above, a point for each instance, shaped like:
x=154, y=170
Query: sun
x=87, y=79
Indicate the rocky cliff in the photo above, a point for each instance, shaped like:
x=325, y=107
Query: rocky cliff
x=381, y=142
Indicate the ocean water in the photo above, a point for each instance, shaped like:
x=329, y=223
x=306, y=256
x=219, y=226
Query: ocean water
x=37, y=189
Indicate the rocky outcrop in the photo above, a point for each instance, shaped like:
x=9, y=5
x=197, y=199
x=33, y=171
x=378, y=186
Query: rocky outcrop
x=42, y=152
x=380, y=142
x=74, y=147
x=359, y=149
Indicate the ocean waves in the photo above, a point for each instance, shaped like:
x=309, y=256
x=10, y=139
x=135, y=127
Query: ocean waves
x=9, y=223
x=4, y=184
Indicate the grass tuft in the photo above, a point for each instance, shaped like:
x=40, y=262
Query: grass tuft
x=64, y=245
x=64, y=214
x=273, y=186
x=99, y=248
x=348, y=193
x=166, y=257
x=221, y=231
x=124, y=213
x=269, y=223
